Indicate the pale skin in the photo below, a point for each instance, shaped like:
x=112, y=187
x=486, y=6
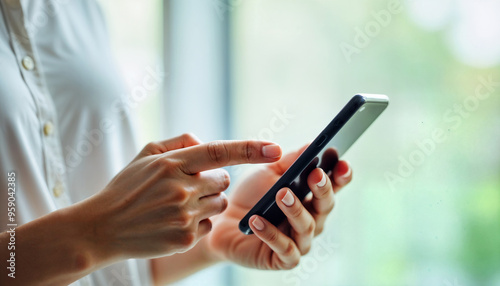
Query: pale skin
x=168, y=205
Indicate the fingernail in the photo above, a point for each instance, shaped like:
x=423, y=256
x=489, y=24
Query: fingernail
x=347, y=174
x=288, y=199
x=322, y=183
x=271, y=151
x=258, y=223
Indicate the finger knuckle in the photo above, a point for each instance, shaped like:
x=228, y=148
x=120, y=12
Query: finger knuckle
x=310, y=229
x=223, y=204
x=208, y=226
x=218, y=152
x=324, y=192
x=189, y=137
x=247, y=151
x=188, y=239
x=165, y=165
x=151, y=146
x=180, y=195
x=225, y=180
x=184, y=219
x=289, y=250
x=272, y=237
x=297, y=212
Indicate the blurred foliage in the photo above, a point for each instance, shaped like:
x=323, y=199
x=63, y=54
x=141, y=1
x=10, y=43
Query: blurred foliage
x=440, y=224
x=480, y=251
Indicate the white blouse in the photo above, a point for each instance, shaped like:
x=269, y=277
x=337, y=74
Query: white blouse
x=64, y=128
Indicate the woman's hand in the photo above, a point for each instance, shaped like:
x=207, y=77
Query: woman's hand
x=276, y=247
x=160, y=204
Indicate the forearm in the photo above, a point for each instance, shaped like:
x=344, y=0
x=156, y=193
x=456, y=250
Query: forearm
x=172, y=268
x=52, y=250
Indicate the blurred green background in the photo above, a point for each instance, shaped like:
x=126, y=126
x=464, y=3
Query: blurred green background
x=424, y=205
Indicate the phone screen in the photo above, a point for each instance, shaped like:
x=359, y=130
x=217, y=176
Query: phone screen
x=338, y=136
x=356, y=125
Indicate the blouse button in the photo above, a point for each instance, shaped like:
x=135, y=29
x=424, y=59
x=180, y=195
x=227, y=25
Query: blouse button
x=28, y=63
x=58, y=189
x=48, y=128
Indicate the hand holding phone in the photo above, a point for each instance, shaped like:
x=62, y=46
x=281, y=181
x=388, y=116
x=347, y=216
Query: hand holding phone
x=345, y=128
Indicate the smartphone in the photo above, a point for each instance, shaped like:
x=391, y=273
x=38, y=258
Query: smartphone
x=340, y=133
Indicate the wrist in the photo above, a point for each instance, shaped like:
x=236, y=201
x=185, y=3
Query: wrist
x=90, y=246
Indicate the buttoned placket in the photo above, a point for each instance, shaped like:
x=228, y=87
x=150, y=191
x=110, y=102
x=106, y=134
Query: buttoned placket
x=31, y=72
x=26, y=56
